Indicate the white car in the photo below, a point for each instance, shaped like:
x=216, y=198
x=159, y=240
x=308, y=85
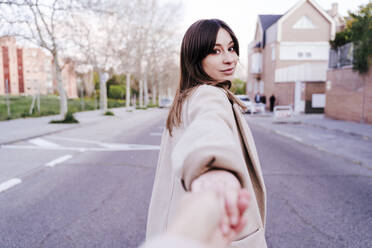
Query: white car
x=165, y=102
x=247, y=102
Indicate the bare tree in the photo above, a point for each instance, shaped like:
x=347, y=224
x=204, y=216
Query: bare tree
x=41, y=22
x=158, y=41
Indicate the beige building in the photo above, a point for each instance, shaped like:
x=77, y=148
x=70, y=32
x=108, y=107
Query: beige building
x=289, y=56
x=28, y=71
x=37, y=71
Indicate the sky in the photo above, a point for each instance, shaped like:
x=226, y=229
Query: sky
x=241, y=15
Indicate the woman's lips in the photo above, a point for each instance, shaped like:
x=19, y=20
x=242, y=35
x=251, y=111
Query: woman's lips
x=229, y=71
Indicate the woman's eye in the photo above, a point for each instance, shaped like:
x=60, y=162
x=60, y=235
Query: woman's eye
x=216, y=51
x=231, y=49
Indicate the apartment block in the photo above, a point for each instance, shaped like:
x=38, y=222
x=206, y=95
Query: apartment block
x=30, y=70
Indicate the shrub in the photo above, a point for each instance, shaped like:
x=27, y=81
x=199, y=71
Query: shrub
x=358, y=31
x=238, y=87
x=116, y=92
x=109, y=113
x=69, y=118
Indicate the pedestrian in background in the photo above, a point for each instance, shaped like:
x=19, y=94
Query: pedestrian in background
x=263, y=101
x=272, y=102
x=257, y=97
x=207, y=145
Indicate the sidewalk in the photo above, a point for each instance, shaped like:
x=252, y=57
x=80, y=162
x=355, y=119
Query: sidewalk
x=22, y=129
x=349, y=140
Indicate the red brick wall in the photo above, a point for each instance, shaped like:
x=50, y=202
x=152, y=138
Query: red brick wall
x=284, y=93
x=350, y=95
x=314, y=88
x=21, y=85
x=7, y=83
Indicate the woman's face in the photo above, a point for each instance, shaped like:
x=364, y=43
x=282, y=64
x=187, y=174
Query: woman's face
x=220, y=65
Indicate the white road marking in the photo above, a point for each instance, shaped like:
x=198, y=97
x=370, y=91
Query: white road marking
x=77, y=140
x=58, y=160
x=42, y=143
x=108, y=146
x=155, y=134
x=10, y=183
x=289, y=136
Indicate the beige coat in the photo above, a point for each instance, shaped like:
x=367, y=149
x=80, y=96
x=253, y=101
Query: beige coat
x=213, y=134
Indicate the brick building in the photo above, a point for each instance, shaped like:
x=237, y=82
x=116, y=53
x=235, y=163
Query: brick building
x=289, y=56
x=27, y=71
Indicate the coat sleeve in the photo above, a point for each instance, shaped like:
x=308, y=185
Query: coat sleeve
x=208, y=141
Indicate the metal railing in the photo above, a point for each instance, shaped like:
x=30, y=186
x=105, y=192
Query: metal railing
x=341, y=57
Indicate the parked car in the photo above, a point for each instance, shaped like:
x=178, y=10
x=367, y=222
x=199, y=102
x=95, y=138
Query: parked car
x=248, y=103
x=165, y=102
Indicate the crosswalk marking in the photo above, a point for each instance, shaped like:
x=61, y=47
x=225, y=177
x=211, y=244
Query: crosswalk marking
x=42, y=143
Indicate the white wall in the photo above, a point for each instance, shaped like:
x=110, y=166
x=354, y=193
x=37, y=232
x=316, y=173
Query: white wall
x=304, y=51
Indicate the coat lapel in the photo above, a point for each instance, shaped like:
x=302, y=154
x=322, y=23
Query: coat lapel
x=250, y=148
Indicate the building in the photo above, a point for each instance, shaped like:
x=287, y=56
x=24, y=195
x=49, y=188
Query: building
x=11, y=69
x=37, y=71
x=29, y=71
x=289, y=56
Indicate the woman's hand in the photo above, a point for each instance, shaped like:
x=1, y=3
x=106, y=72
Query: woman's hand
x=200, y=214
x=235, y=201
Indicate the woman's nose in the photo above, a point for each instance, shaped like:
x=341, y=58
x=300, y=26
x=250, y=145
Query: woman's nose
x=228, y=58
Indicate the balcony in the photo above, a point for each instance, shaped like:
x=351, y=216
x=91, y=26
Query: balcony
x=309, y=72
x=256, y=64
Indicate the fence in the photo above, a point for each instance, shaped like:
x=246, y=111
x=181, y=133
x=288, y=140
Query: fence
x=341, y=57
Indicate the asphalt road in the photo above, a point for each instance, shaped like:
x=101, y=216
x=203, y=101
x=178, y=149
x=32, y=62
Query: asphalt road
x=97, y=193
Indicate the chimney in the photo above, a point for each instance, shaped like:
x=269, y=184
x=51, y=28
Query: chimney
x=334, y=10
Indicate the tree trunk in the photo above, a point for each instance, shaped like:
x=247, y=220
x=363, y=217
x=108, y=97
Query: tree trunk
x=127, y=95
x=88, y=83
x=61, y=90
x=146, y=92
x=141, y=93
x=153, y=94
x=102, y=91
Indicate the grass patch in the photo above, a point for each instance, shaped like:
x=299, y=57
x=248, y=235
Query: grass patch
x=141, y=108
x=49, y=105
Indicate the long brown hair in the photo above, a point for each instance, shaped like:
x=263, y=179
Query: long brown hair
x=198, y=43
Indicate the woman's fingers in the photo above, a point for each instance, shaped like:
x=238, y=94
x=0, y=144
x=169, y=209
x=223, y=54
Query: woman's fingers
x=243, y=200
x=231, y=199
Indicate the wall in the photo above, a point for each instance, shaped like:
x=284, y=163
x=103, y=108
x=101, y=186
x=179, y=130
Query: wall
x=310, y=89
x=349, y=95
x=322, y=32
x=9, y=44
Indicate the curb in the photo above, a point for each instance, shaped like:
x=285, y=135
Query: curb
x=365, y=137
x=299, y=140
x=299, y=121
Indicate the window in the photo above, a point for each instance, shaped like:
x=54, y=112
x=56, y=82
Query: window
x=300, y=54
x=249, y=86
x=273, y=52
x=308, y=54
x=304, y=23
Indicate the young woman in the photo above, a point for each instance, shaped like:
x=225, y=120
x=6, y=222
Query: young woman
x=207, y=145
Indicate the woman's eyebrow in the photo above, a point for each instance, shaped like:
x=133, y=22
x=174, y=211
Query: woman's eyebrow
x=218, y=44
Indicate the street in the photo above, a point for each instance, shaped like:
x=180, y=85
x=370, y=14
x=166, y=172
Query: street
x=90, y=186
